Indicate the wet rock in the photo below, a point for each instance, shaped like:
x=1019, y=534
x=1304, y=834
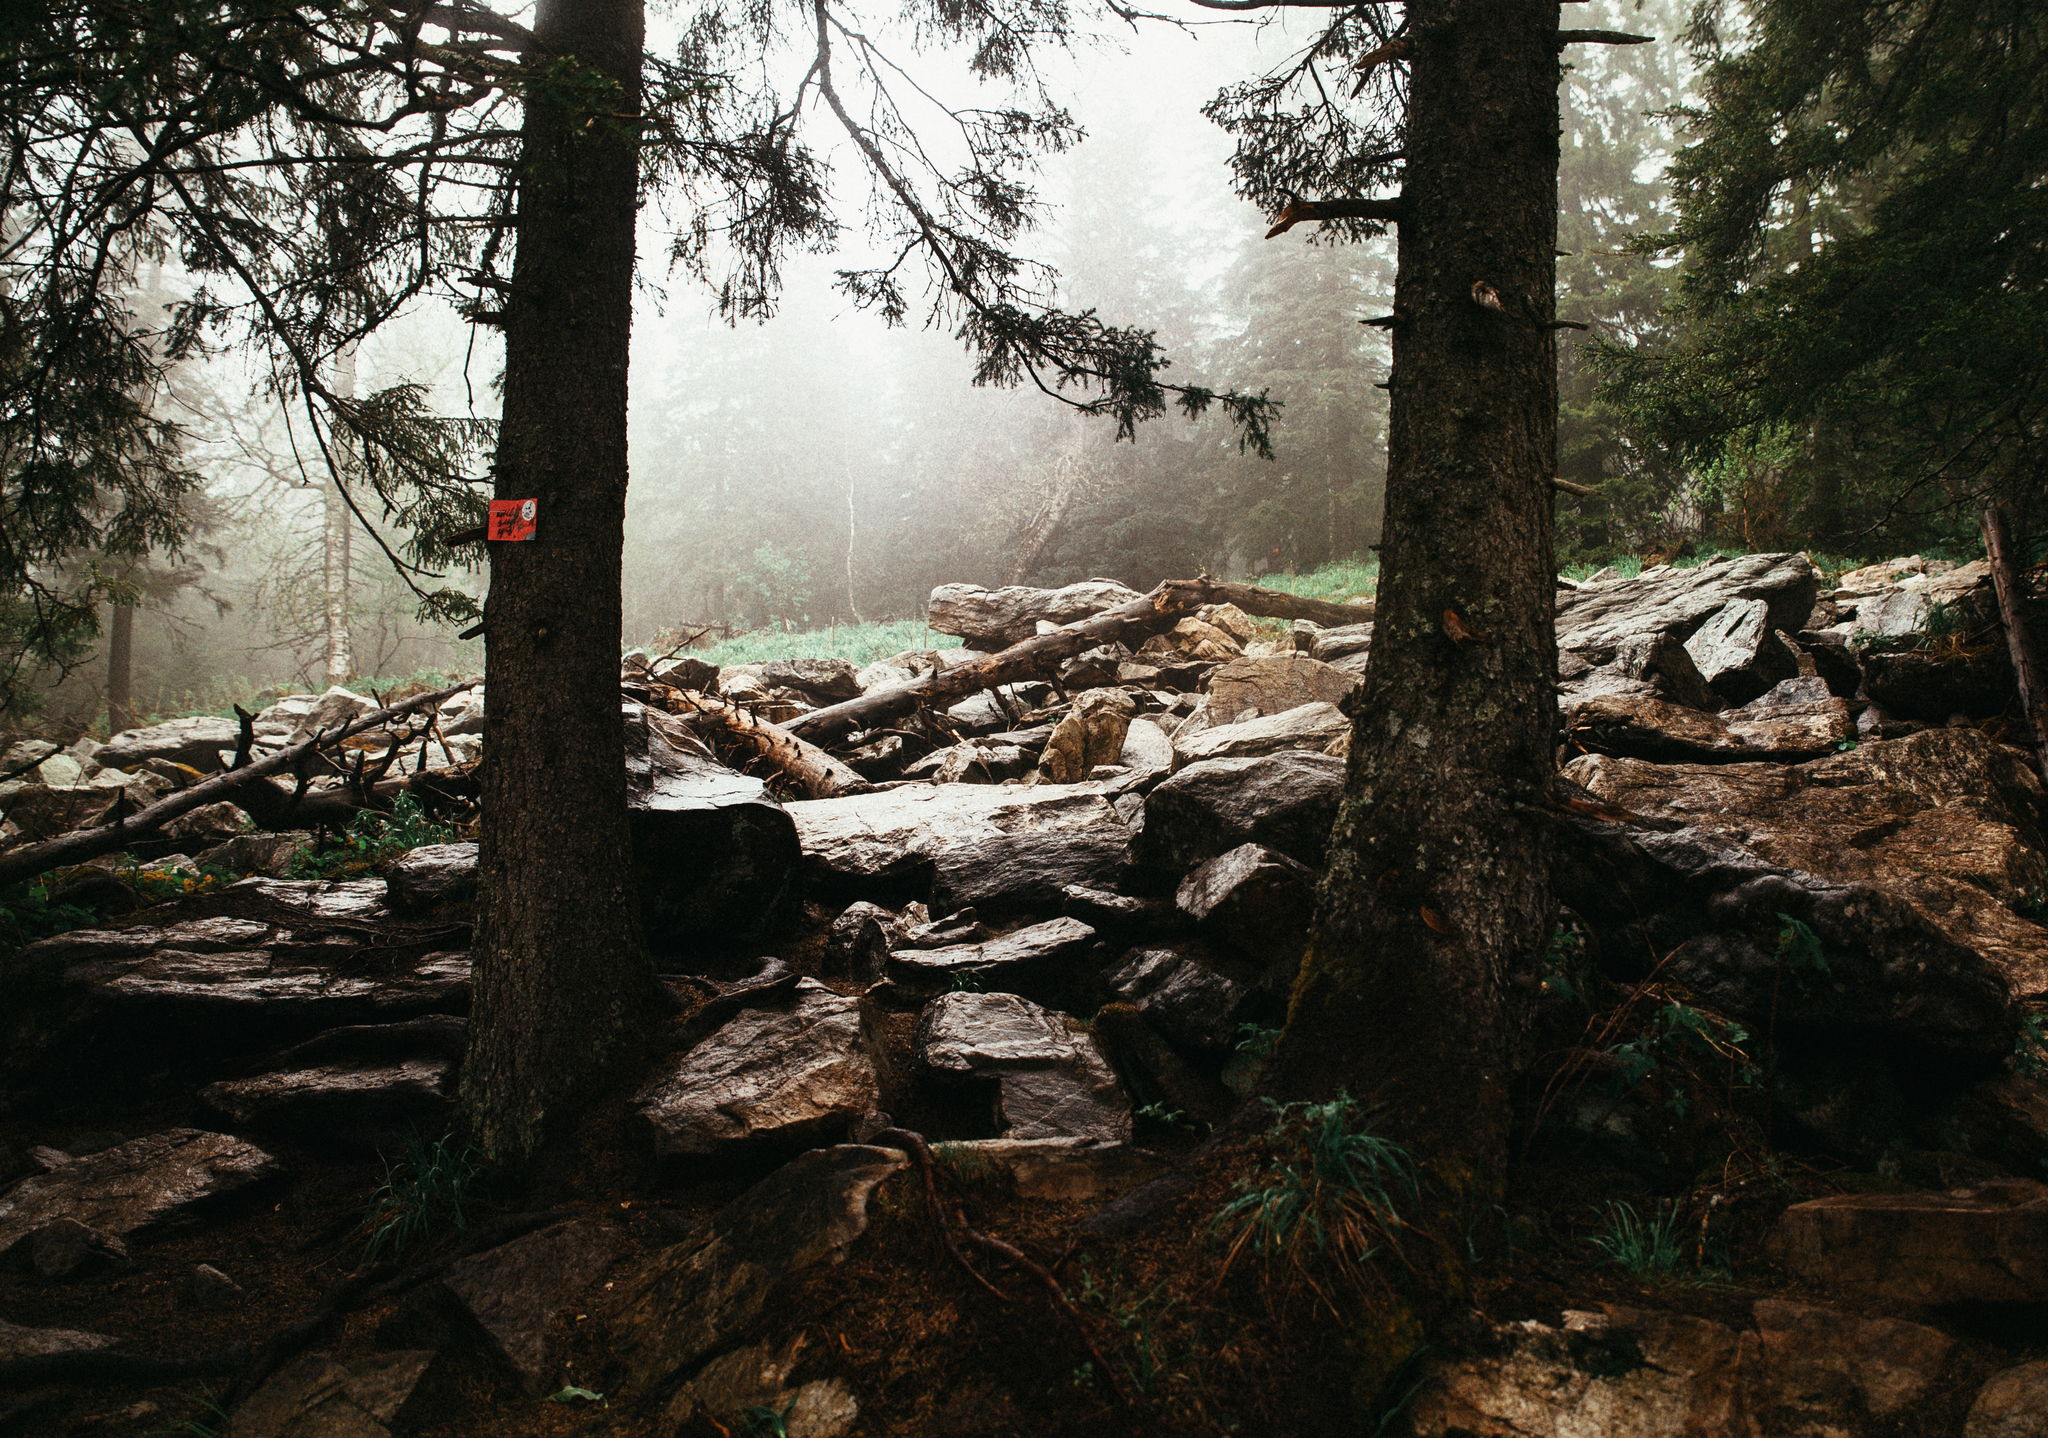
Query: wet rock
x=857, y=944
x=1933, y=686
x=1982, y=1245
x=823, y=681
x=1893, y=981
x=17, y=1342
x=1274, y=684
x=352, y=1105
x=1943, y=821
x=1739, y=654
x=64, y=1247
x=1092, y=733
x=692, y=1298
x=1051, y=1079
x=2014, y=1404
x=1286, y=801
x=210, y=1288
x=1038, y=957
x=504, y=1300
x=767, y=1080
x=994, y=619
x=1188, y=991
x=713, y=852
x=1120, y=916
x=1595, y=622
x=141, y=1187
x=1253, y=897
x=972, y=839
x=194, y=742
x=257, y=853
x=432, y=874
x=1667, y=666
x=316, y=1396
x=1311, y=727
x=1796, y=721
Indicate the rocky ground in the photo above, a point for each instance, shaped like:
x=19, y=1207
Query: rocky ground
x=1781, y=1149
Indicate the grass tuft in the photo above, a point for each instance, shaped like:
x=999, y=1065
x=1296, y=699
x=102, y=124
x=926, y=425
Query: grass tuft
x=426, y=1189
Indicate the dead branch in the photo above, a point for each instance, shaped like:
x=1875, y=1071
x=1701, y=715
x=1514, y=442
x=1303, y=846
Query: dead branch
x=77, y=847
x=810, y=768
x=2019, y=639
x=1601, y=37
x=1299, y=211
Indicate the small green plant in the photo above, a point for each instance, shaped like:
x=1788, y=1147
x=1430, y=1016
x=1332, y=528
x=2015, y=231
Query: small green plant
x=572, y=1394
x=1677, y=1029
x=425, y=1189
x=1136, y=1316
x=1161, y=1115
x=27, y=914
x=2030, y=1049
x=1331, y=1188
x=1563, y=956
x=1644, y=1247
x=1254, y=1046
x=762, y=1421
x=1799, y=949
x=371, y=838
x=966, y=981
x=215, y=1427
x=967, y=1167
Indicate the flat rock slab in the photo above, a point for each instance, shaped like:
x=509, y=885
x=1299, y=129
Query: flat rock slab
x=1982, y=1245
x=505, y=1299
x=1595, y=621
x=432, y=874
x=341, y=1103
x=1052, y=1080
x=1274, y=684
x=316, y=1396
x=136, y=1188
x=1286, y=801
x=17, y=1342
x=1313, y=727
x=768, y=1079
x=195, y=742
x=1025, y=960
x=1945, y=820
x=1797, y=721
x=972, y=840
x=994, y=618
x=693, y=1298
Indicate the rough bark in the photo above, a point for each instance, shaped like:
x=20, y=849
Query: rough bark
x=121, y=670
x=2019, y=638
x=564, y=986
x=814, y=772
x=334, y=543
x=1436, y=903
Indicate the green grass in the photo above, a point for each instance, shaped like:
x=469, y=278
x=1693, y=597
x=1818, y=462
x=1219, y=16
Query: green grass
x=1337, y=581
x=426, y=1188
x=1331, y=1187
x=1643, y=1247
x=857, y=643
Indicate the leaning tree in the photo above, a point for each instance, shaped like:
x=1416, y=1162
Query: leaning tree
x=316, y=167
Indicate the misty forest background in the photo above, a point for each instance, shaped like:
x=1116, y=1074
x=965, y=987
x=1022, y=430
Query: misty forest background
x=818, y=470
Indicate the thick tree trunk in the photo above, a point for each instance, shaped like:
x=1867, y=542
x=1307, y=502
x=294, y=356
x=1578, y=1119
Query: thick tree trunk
x=1437, y=903
x=334, y=541
x=121, y=670
x=564, y=987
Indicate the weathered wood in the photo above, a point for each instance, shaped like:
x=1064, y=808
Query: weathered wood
x=2019, y=639
x=816, y=773
x=84, y=844
x=1278, y=604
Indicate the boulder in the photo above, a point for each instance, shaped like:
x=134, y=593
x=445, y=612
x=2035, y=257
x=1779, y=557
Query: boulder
x=1667, y=666
x=1312, y=727
x=1739, y=654
x=1935, y=685
x=64, y=1246
x=2014, y=1404
x=1147, y=749
x=1123, y=917
x=824, y=681
x=432, y=874
x=1982, y=1245
x=1796, y=721
x=338, y=706
x=768, y=1080
x=195, y=742
x=753, y=1379
x=1190, y=641
x=1272, y=684
x=1594, y=622
x=1051, y=1079
x=1092, y=733
x=1819, y=1365
x=1192, y=994
x=1286, y=801
x=1039, y=957
x=962, y=844
x=270, y=854
x=991, y=619
x=1342, y=642
x=1253, y=897
x=714, y=854
x=857, y=944
x=1944, y=821
x=18, y=1342
x=504, y=1300
x=685, y=671
x=361, y=1106
x=693, y=1298
x=142, y=1187
x=316, y=1396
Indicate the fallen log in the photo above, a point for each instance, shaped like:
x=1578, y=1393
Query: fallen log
x=83, y=844
x=1149, y=614
x=817, y=774
x=2019, y=639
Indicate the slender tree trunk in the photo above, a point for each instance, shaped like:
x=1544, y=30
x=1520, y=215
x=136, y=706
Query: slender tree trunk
x=334, y=540
x=121, y=670
x=1437, y=901
x=564, y=986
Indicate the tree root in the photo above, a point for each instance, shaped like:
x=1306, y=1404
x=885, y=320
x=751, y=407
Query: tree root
x=954, y=1228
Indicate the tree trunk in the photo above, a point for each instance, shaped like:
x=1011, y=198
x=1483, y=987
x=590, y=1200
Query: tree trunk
x=334, y=540
x=121, y=670
x=1436, y=904
x=564, y=986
